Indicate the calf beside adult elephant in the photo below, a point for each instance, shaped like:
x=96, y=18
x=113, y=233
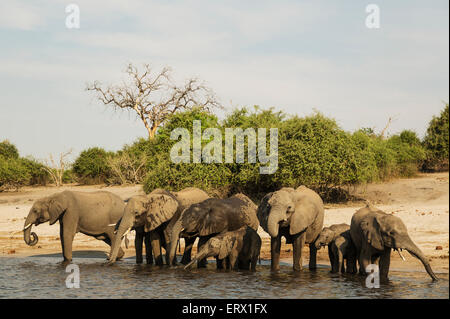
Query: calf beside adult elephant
x=89, y=213
x=150, y=215
x=211, y=217
x=296, y=214
x=375, y=233
x=340, y=247
x=239, y=248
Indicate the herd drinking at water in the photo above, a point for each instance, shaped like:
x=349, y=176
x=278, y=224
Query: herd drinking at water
x=226, y=228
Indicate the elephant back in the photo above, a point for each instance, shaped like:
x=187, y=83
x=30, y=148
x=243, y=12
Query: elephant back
x=247, y=208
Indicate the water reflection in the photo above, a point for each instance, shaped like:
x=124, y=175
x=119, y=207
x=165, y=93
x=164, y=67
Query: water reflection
x=40, y=277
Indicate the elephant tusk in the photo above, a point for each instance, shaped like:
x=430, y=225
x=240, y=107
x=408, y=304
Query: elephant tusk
x=112, y=225
x=126, y=232
x=400, y=254
x=27, y=226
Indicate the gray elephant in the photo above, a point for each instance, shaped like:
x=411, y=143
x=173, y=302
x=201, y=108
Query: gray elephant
x=150, y=216
x=89, y=213
x=340, y=247
x=375, y=234
x=240, y=249
x=296, y=214
x=211, y=217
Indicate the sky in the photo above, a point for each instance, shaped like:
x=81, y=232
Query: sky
x=294, y=56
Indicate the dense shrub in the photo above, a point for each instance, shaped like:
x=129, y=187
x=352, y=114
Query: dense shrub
x=313, y=151
x=13, y=173
x=8, y=150
x=436, y=142
x=16, y=171
x=164, y=173
x=38, y=175
x=91, y=166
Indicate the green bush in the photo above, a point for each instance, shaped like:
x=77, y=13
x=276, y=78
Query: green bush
x=91, y=166
x=13, y=173
x=8, y=150
x=163, y=173
x=436, y=142
x=38, y=175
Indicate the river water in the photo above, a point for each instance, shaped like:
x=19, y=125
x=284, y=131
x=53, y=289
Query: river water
x=45, y=277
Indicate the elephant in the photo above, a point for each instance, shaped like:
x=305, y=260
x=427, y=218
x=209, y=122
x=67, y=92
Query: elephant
x=240, y=249
x=375, y=234
x=340, y=247
x=90, y=213
x=296, y=214
x=150, y=216
x=211, y=217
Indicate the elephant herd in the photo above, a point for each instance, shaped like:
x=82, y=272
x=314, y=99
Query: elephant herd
x=226, y=228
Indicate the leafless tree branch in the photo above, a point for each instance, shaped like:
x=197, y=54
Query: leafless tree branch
x=153, y=96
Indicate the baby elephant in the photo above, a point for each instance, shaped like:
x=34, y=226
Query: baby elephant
x=240, y=249
x=340, y=247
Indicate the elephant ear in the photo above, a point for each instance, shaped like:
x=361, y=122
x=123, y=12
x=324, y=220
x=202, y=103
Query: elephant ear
x=213, y=221
x=264, y=211
x=56, y=206
x=303, y=216
x=371, y=230
x=226, y=246
x=159, y=209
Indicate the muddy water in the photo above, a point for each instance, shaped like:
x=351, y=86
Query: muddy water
x=44, y=277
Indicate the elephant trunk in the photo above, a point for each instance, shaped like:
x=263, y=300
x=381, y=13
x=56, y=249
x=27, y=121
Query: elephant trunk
x=125, y=225
x=416, y=252
x=27, y=234
x=203, y=253
x=273, y=221
x=174, y=237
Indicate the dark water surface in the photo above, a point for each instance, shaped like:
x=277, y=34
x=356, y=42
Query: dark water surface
x=44, y=277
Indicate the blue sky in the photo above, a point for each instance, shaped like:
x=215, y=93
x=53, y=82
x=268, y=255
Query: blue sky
x=295, y=56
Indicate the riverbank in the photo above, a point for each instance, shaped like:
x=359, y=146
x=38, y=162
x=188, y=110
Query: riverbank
x=421, y=202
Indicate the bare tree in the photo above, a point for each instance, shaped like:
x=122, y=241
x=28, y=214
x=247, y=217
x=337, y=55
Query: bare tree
x=389, y=122
x=153, y=96
x=56, y=170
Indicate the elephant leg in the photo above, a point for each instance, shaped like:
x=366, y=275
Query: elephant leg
x=203, y=262
x=67, y=233
x=138, y=245
x=365, y=259
x=312, y=256
x=232, y=260
x=275, y=246
x=385, y=261
x=188, y=243
x=298, y=243
x=156, y=247
x=219, y=263
x=335, y=257
x=331, y=257
x=148, y=248
x=341, y=251
x=253, y=262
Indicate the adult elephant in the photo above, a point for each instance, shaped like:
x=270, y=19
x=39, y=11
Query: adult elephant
x=375, y=233
x=89, y=213
x=150, y=216
x=296, y=214
x=211, y=217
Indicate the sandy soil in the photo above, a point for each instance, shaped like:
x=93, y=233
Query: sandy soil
x=421, y=202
